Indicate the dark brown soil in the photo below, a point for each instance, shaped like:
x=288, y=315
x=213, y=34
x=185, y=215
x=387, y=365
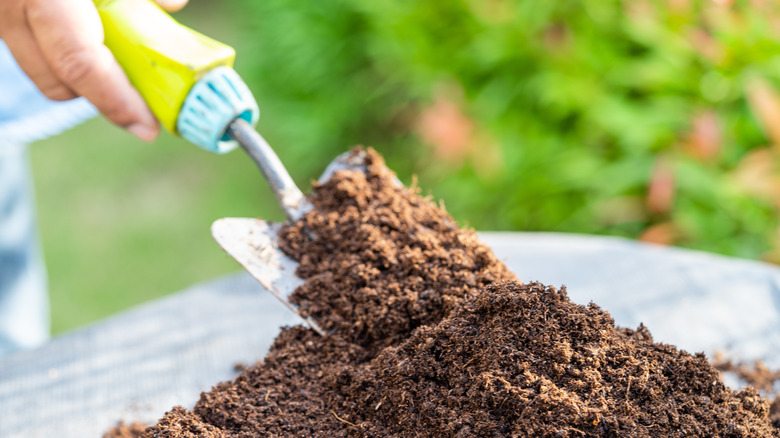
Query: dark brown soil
x=385, y=260
x=179, y=423
x=759, y=376
x=122, y=430
x=523, y=360
x=432, y=336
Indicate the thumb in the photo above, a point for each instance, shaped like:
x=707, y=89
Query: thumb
x=171, y=5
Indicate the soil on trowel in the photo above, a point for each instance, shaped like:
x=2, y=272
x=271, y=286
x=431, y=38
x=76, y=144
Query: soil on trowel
x=431, y=336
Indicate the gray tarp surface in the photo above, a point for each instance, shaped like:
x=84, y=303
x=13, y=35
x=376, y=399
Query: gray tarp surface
x=136, y=365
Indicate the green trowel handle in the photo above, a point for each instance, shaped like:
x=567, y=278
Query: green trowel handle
x=162, y=58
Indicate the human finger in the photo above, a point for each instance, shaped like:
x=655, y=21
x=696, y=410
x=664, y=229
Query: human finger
x=17, y=35
x=171, y=5
x=70, y=36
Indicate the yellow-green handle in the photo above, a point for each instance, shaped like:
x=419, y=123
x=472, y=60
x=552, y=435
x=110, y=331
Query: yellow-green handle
x=162, y=58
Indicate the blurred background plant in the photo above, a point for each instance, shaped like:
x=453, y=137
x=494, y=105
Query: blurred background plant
x=654, y=120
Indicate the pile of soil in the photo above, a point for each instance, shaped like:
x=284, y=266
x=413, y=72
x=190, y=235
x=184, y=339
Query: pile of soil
x=430, y=335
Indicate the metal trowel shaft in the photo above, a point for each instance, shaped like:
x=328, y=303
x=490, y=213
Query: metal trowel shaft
x=290, y=197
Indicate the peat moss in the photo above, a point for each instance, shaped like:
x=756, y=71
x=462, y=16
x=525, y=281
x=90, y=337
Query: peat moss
x=431, y=335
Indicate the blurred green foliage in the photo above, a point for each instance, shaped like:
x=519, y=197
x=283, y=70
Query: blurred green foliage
x=656, y=120
x=572, y=106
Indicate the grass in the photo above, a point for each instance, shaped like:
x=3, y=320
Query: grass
x=123, y=222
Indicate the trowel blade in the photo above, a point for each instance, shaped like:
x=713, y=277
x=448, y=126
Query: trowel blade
x=254, y=244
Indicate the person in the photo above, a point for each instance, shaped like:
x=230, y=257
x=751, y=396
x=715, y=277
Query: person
x=55, y=72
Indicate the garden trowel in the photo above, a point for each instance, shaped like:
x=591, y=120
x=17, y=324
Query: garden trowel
x=188, y=82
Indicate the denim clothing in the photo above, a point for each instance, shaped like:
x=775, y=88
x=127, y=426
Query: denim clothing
x=25, y=116
x=24, y=316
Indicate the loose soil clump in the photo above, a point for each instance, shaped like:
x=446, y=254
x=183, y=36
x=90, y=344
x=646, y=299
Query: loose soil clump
x=431, y=336
x=123, y=430
x=757, y=375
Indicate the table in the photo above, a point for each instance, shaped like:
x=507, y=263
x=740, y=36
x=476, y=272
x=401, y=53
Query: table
x=138, y=364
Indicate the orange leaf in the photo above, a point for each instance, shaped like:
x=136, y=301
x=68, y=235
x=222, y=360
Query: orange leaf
x=665, y=233
x=680, y=6
x=756, y=175
x=661, y=190
x=704, y=142
x=705, y=44
x=445, y=128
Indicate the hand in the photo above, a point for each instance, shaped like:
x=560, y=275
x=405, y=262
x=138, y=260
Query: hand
x=59, y=45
